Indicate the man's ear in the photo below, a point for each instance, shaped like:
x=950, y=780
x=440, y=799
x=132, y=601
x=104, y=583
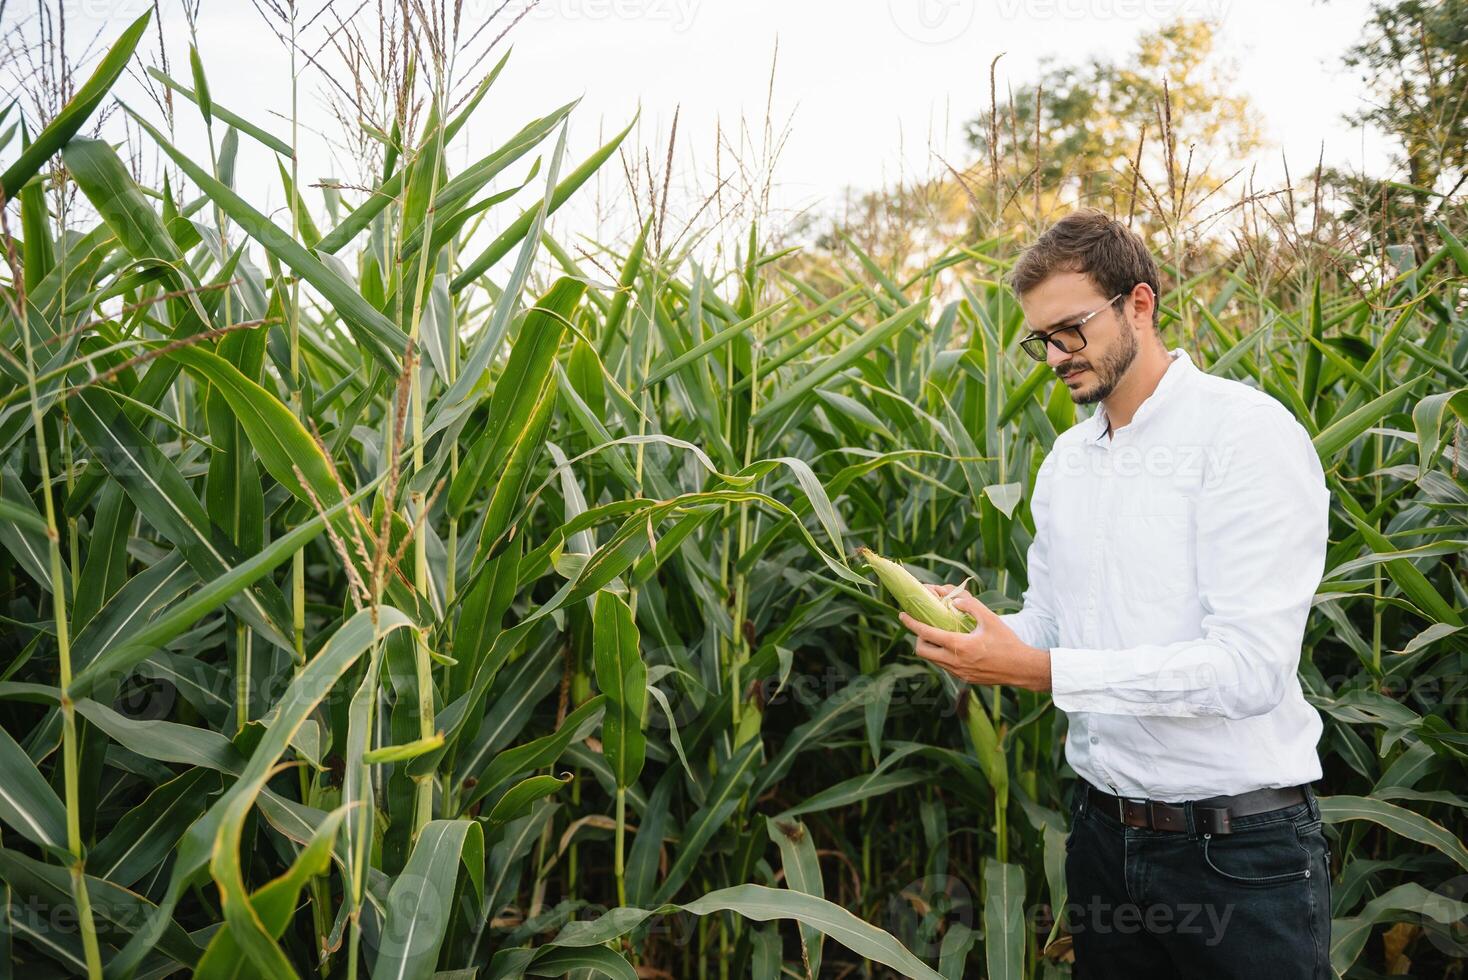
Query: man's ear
x=1145, y=301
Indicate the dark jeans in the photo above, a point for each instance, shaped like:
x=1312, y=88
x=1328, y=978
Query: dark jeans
x=1251, y=904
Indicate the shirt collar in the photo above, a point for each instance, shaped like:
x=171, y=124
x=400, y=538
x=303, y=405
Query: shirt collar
x=1182, y=365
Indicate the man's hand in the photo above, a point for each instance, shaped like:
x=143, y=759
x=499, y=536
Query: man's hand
x=991, y=654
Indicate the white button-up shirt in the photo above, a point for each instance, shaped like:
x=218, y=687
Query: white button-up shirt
x=1171, y=574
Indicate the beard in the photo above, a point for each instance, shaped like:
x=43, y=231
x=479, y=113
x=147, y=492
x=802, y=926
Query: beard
x=1108, y=370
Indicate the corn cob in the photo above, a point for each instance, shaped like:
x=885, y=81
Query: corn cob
x=988, y=743
x=914, y=597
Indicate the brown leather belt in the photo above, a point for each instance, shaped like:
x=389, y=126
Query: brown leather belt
x=1210, y=816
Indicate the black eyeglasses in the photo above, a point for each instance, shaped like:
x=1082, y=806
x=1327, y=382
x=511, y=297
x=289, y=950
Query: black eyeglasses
x=1068, y=339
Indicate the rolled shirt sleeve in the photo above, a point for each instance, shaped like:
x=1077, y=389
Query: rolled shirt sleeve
x=1261, y=528
x=1036, y=623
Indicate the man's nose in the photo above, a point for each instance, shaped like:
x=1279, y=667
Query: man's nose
x=1054, y=356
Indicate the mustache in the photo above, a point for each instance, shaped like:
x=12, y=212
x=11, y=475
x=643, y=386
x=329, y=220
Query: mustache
x=1070, y=369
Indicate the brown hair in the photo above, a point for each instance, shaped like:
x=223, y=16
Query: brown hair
x=1091, y=242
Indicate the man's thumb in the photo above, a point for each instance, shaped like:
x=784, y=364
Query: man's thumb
x=974, y=608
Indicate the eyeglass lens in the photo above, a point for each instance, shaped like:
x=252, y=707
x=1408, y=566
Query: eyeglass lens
x=1067, y=339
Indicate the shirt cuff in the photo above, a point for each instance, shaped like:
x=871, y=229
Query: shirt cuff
x=1076, y=675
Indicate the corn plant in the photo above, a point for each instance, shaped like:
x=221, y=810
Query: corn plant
x=379, y=598
x=923, y=429
x=289, y=587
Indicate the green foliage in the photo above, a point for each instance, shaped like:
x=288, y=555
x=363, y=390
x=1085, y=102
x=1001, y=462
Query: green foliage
x=327, y=654
x=1088, y=128
x=1413, y=57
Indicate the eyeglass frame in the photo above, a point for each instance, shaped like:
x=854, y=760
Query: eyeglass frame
x=1048, y=339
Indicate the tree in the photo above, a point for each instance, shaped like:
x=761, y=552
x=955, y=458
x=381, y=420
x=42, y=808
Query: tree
x=1080, y=130
x=1153, y=137
x=1413, y=55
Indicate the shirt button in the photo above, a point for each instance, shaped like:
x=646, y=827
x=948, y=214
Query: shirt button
x=1095, y=740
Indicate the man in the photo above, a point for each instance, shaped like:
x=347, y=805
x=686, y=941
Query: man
x=1180, y=534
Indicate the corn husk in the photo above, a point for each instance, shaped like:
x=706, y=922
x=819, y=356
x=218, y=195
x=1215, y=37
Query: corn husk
x=988, y=744
x=913, y=597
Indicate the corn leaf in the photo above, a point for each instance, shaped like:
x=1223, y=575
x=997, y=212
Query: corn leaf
x=28, y=805
x=761, y=903
x=421, y=902
x=622, y=677
x=69, y=121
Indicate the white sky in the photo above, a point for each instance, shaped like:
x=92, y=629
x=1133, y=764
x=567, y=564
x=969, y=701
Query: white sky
x=871, y=84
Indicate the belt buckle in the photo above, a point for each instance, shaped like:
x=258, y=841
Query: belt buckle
x=1142, y=802
x=1221, y=821
x=1152, y=818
